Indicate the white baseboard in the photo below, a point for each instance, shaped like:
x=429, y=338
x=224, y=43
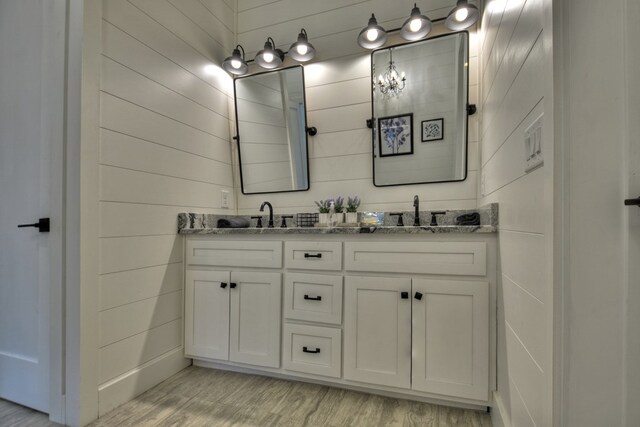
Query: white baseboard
x=499, y=415
x=121, y=389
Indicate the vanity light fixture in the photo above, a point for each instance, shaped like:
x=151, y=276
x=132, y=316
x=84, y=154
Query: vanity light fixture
x=235, y=64
x=417, y=26
x=302, y=50
x=269, y=57
x=462, y=16
x=373, y=35
x=391, y=82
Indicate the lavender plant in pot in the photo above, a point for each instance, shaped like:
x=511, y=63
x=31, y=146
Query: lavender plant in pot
x=323, y=209
x=352, y=210
x=338, y=204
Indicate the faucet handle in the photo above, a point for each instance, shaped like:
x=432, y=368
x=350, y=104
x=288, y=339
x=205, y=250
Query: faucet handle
x=434, y=219
x=284, y=220
x=259, y=222
x=399, y=215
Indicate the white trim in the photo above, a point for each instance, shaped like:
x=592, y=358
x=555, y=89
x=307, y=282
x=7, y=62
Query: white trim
x=499, y=415
x=130, y=384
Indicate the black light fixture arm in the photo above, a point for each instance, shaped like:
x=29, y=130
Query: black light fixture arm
x=240, y=48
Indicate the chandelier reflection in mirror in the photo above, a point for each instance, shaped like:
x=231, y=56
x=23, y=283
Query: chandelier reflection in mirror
x=391, y=83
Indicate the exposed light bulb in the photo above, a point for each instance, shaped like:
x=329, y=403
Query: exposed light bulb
x=268, y=57
x=415, y=25
x=235, y=63
x=372, y=34
x=302, y=49
x=461, y=14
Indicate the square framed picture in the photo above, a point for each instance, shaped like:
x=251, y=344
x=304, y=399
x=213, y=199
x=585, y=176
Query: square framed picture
x=432, y=130
x=395, y=135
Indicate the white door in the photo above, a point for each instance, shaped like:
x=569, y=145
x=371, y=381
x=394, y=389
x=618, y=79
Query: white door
x=255, y=318
x=450, y=353
x=31, y=116
x=377, y=330
x=632, y=15
x=207, y=314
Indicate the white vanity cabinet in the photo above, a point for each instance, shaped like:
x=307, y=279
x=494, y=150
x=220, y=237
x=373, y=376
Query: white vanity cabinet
x=424, y=334
x=406, y=315
x=233, y=314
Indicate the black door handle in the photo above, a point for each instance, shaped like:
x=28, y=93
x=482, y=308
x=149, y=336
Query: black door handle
x=418, y=296
x=318, y=298
x=223, y=285
x=312, y=255
x=43, y=225
x=632, y=202
x=404, y=295
x=306, y=350
x=233, y=285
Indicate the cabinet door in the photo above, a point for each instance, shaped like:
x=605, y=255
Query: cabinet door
x=207, y=314
x=255, y=318
x=377, y=330
x=451, y=338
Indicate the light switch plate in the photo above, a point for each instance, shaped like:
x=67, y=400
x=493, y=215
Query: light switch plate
x=533, y=155
x=224, y=199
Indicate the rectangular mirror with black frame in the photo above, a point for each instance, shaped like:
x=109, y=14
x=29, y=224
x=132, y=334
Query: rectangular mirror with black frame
x=419, y=110
x=272, y=137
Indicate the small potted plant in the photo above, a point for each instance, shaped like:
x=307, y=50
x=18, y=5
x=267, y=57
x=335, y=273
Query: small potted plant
x=323, y=209
x=338, y=205
x=352, y=210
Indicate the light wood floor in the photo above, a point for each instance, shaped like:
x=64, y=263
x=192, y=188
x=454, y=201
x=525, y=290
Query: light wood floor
x=206, y=397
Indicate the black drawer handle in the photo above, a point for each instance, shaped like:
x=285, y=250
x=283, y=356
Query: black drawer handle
x=306, y=350
x=306, y=255
x=318, y=298
x=233, y=285
x=223, y=285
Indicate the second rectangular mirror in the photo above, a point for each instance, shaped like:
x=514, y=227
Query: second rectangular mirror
x=420, y=98
x=272, y=136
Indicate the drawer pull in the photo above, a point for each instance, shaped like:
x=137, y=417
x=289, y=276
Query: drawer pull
x=233, y=285
x=306, y=255
x=306, y=350
x=318, y=298
x=223, y=285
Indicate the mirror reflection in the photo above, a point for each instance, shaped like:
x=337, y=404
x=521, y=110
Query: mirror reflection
x=272, y=137
x=419, y=101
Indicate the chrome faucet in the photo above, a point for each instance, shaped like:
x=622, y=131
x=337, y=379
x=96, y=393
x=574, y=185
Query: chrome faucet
x=270, y=225
x=416, y=205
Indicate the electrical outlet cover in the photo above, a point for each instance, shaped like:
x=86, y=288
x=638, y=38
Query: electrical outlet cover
x=533, y=155
x=224, y=199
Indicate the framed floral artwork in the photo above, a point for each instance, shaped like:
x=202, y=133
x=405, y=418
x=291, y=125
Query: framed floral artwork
x=396, y=135
x=432, y=130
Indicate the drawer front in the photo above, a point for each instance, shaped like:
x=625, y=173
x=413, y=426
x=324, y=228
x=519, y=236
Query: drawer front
x=455, y=258
x=234, y=253
x=313, y=255
x=313, y=297
x=312, y=350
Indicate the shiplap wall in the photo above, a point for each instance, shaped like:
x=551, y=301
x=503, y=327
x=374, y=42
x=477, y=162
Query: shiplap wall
x=339, y=101
x=513, y=80
x=164, y=149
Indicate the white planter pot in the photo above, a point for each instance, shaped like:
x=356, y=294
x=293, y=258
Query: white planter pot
x=351, y=217
x=323, y=219
x=338, y=218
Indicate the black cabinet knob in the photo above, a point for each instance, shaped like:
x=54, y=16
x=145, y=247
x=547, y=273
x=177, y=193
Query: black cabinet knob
x=233, y=285
x=404, y=295
x=418, y=296
x=223, y=285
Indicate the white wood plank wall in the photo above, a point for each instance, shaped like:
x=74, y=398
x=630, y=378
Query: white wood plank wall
x=164, y=148
x=339, y=101
x=512, y=74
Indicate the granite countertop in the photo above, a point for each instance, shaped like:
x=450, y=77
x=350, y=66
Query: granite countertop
x=195, y=223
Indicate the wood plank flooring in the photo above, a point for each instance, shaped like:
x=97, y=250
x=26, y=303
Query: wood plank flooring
x=207, y=397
